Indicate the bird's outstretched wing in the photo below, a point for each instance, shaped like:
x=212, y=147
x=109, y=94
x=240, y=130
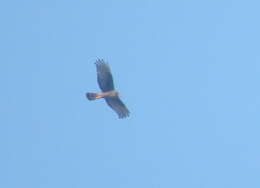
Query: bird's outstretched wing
x=118, y=106
x=104, y=76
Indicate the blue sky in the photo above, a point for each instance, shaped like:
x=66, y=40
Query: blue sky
x=187, y=70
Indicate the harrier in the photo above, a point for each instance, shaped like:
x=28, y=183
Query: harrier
x=111, y=96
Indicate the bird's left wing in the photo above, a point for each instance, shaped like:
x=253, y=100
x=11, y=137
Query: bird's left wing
x=118, y=106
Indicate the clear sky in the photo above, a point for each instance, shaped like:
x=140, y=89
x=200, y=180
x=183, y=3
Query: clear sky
x=188, y=71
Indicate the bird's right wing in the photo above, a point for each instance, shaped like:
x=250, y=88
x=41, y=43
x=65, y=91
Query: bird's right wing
x=104, y=76
x=118, y=106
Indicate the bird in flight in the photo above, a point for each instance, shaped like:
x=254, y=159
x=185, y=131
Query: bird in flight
x=111, y=96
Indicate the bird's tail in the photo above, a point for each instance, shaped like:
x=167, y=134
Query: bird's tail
x=91, y=96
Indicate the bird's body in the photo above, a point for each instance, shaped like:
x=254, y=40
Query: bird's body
x=111, y=96
x=93, y=96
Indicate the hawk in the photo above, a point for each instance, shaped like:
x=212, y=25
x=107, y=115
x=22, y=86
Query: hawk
x=111, y=96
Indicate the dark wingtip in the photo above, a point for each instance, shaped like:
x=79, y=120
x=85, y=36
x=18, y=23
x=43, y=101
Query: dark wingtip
x=124, y=115
x=99, y=61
